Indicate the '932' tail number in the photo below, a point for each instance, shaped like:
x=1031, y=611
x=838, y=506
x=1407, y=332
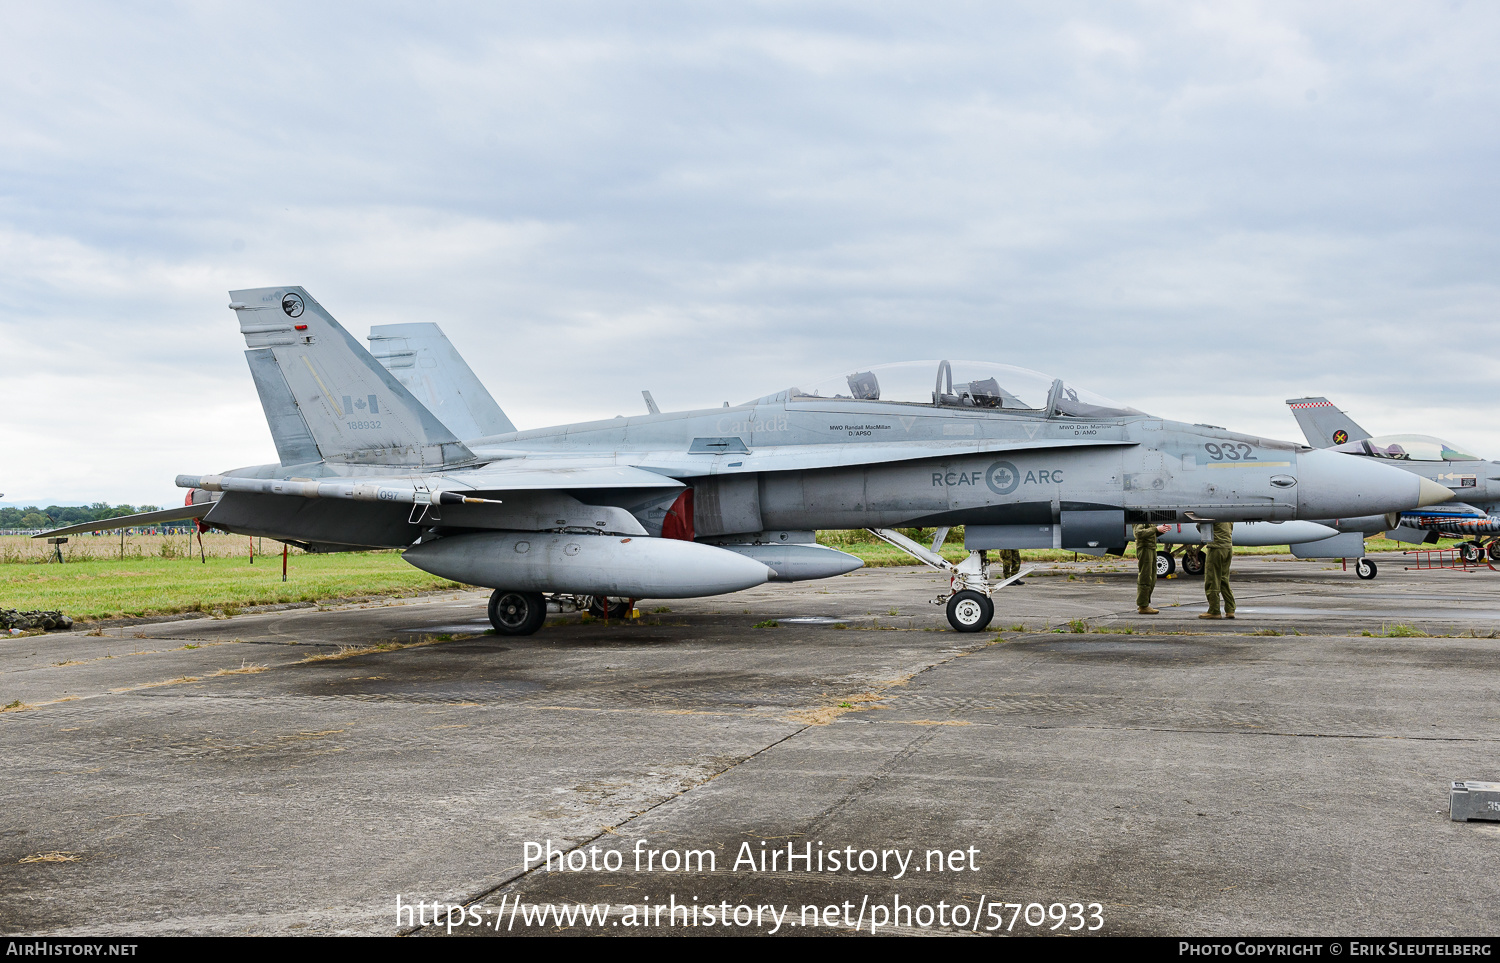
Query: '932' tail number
x=1229, y=451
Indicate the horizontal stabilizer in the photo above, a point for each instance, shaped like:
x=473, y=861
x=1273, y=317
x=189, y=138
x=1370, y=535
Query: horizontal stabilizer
x=139, y=520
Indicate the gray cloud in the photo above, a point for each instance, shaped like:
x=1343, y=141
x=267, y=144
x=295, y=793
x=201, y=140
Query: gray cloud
x=1201, y=209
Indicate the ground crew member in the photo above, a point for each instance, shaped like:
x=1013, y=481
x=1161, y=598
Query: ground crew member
x=1216, y=572
x=1011, y=559
x=1145, y=560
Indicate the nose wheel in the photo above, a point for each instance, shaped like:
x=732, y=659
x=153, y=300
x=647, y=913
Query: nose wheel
x=970, y=611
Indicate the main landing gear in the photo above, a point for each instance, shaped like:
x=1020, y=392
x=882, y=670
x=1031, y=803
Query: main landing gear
x=522, y=613
x=970, y=608
x=1193, y=563
x=1476, y=552
x=517, y=613
x=609, y=608
x=1165, y=564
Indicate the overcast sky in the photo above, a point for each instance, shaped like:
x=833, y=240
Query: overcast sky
x=1198, y=209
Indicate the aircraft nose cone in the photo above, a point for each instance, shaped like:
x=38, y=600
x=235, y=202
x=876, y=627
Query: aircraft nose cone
x=1431, y=493
x=1332, y=484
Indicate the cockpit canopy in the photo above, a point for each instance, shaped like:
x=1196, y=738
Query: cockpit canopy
x=1407, y=448
x=960, y=384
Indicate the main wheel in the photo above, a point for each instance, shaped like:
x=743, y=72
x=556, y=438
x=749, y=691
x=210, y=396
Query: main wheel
x=517, y=613
x=969, y=611
x=1192, y=564
x=1365, y=568
x=618, y=608
x=1493, y=551
x=1470, y=552
x=1165, y=565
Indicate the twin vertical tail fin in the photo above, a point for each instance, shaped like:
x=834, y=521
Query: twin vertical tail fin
x=327, y=398
x=425, y=361
x=1324, y=425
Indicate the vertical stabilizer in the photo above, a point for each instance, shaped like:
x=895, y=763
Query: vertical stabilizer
x=425, y=361
x=1324, y=425
x=350, y=408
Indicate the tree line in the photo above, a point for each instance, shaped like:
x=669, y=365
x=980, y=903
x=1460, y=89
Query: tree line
x=58, y=516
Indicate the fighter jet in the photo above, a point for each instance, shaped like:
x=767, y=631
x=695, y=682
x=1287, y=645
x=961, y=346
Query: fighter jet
x=695, y=503
x=1468, y=477
x=424, y=360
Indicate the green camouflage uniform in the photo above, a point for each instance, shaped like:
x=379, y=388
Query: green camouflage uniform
x=1011, y=557
x=1216, y=570
x=1145, y=560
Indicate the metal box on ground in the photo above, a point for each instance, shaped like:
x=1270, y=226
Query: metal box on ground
x=1474, y=800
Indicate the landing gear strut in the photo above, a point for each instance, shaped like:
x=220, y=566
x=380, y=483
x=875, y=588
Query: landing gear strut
x=970, y=608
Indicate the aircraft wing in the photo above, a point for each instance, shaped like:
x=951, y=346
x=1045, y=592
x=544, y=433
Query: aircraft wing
x=393, y=510
x=140, y=519
x=571, y=471
x=529, y=491
x=506, y=476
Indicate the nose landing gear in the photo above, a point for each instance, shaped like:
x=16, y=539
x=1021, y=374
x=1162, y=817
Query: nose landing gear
x=969, y=606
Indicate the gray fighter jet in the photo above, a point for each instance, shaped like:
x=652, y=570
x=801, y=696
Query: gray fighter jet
x=425, y=361
x=695, y=503
x=1472, y=480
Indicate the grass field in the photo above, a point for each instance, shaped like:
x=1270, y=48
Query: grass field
x=154, y=575
x=19, y=549
x=145, y=585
